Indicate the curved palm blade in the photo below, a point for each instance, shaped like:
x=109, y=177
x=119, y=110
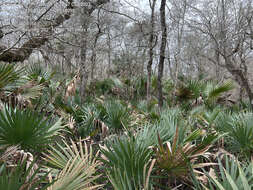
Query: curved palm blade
x=8, y=74
x=75, y=166
x=232, y=176
x=27, y=129
x=19, y=178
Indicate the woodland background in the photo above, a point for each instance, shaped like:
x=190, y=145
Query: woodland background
x=126, y=94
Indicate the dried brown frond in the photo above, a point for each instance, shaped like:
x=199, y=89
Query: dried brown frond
x=71, y=86
x=8, y=152
x=77, y=166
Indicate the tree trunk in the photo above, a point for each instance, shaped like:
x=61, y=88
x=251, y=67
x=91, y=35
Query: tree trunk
x=151, y=47
x=109, y=53
x=143, y=61
x=94, y=54
x=85, y=24
x=20, y=54
x=227, y=53
x=162, y=53
x=241, y=78
x=83, y=69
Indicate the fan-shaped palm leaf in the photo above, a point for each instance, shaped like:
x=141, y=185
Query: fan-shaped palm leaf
x=8, y=74
x=76, y=175
x=19, y=178
x=213, y=91
x=124, y=155
x=74, y=166
x=118, y=116
x=59, y=155
x=191, y=89
x=27, y=129
x=37, y=73
x=239, y=127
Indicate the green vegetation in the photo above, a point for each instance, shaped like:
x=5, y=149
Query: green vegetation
x=116, y=139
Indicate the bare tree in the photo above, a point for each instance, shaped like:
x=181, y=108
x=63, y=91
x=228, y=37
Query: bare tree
x=226, y=27
x=151, y=45
x=22, y=49
x=162, y=52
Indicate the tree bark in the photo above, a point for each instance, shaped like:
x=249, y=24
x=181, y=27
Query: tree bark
x=151, y=47
x=241, y=78
x=228, y=53
x=94, y=53
x=83, y=69
x=162, y=53
x=109, y=53
x=12, y=54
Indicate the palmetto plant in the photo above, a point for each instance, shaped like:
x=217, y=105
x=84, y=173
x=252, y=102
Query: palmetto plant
x=125, y=161
x=177, y=158
x=28, y=129
x=139, y=86
x=8, y=75
x=191, y=89
x=15, y=84
x=214, y=90
x=122, y=181
x=19, y=177
x=210, y=91
x=106, y=86
x=166, y=127
x=117, y=115
x=239, y=128
x=37, y=72
x=73, y=165
x=232, y=176
x=88, y=117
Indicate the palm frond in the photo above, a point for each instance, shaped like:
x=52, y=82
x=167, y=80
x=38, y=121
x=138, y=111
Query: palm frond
x=19, y=178
x=37, y=72
x=121, y=181
x=232, y=176
x=28, y=92
x=191, y=89
x=27, y=129
x=239, y=128
x=8, y=74
x=118, y=116
x=77, y=174
x=74, y=166
x=178, y=158
x=124, y=155
x=217, y=90
x=59, y=155
x=88, y=116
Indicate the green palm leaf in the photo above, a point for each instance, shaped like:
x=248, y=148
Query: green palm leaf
x=27, y=129
x=74, y=166
x=233, y=176
x=8, y=74
x=19, y=178
x=125, y=161
x=213, y=91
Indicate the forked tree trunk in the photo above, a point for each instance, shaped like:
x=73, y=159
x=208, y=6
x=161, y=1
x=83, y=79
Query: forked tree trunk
x=162, y=53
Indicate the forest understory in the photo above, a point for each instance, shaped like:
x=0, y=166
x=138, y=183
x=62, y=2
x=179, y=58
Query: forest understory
x=126, y=95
